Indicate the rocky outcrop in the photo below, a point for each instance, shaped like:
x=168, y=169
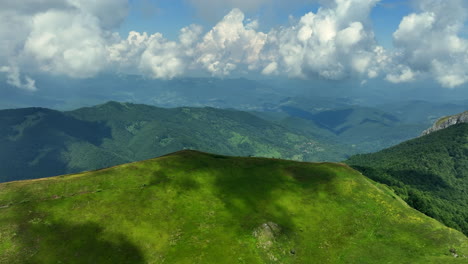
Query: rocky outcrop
x=447, y=121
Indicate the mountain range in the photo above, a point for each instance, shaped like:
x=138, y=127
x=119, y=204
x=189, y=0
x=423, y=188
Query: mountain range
x=38, y=142
x=194, y=205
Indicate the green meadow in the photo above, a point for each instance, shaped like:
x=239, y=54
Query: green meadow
x=193, y=207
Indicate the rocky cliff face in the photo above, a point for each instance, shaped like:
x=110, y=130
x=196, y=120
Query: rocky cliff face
x=447, y=121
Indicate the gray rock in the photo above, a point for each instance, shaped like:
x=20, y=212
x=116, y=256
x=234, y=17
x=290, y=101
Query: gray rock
x=266, y=234
x=447, y=121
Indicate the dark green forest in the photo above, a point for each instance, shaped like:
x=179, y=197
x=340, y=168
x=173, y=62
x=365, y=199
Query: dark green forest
x=430, y=173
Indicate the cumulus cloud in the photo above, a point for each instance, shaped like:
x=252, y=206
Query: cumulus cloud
x=271, y=68
x=66, y=42
x=229, y=43
x=75, y=38
x=429, y=42
x=333, y=43
x=162, y=59
x=14, y=78
x=402, y=74
x=60, y=37
x=154, y=55
x=126, y=53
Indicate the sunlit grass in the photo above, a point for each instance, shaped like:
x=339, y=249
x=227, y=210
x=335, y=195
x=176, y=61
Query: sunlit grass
x=193, y=207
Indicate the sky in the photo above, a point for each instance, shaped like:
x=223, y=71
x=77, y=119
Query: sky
x=396, y=41
x=168, y=17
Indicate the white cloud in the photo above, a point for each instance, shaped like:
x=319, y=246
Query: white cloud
x=230, y=43
x=451, y=75
x=429, y=41
x=73, y=39
x=270, y=69
x=59, y=37
x=153, y=55
x=67, y=43
x=403, y=74
x=76, y=38
x=333, y=43
x=125, y=54
x=14, y=78
x=190, y=35
x=162, y=59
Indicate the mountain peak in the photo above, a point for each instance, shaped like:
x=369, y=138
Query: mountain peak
x=447, y=121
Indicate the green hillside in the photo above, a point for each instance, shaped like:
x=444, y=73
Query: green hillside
x=192, y=207
x=38, y=142
x=430, y=173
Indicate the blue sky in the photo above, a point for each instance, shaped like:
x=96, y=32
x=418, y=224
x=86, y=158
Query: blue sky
x=386, y=17
x=397, y=41
x=168, y=17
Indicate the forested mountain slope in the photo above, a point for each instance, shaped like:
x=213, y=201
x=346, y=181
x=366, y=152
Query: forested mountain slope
x=38, y=142
x=430, y=173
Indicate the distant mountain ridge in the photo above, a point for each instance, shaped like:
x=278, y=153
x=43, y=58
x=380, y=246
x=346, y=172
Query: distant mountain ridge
x=40, y=142
x=365, y=129
x=447, y=121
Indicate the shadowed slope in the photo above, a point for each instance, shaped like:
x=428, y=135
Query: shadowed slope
x=193, y=207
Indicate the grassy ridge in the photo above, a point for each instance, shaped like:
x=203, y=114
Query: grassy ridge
x=430, y=173
x=192, y=207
